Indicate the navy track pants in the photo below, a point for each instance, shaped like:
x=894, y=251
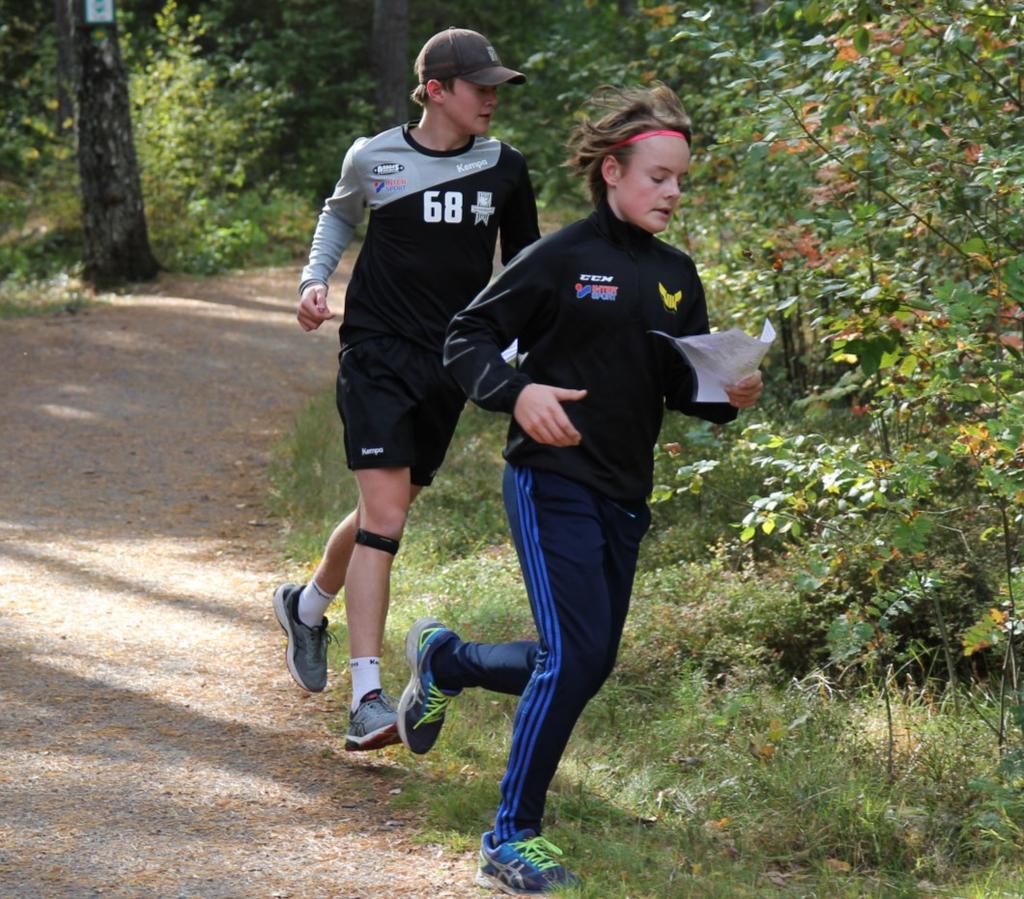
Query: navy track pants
x=577, y=551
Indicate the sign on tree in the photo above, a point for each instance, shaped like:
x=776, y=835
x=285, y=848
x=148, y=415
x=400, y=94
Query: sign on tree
x=99, y=12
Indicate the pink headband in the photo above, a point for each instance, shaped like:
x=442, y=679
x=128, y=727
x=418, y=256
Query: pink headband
x=646, y=134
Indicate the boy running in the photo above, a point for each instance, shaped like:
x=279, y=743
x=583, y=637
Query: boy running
x=439, y=192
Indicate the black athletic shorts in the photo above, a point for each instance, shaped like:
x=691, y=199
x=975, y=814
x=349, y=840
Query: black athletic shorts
x=398, y=405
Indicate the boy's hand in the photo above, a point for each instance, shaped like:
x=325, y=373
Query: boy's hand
x=744, y=394
x=539, y=412
x=313, y=311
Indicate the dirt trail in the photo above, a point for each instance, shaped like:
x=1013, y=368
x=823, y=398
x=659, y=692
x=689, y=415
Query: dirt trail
x=151, y=741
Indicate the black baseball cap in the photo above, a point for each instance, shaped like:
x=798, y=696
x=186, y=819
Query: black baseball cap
x=461, y=53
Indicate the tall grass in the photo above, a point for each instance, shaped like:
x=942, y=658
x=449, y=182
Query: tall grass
x=687, y=775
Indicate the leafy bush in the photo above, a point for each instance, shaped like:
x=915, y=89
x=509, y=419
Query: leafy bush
x=723, y=619
x=40, y=235
x=875, y=213
x=40, y=268
x=201, y=124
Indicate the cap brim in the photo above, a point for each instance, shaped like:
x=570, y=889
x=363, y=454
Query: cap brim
x=495, y=75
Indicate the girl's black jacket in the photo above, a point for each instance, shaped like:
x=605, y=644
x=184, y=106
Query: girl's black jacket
x=582, y=303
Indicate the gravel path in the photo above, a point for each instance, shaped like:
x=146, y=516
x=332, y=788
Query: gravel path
x=151, y=740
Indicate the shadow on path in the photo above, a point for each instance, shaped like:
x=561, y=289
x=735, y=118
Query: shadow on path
x=50, y=567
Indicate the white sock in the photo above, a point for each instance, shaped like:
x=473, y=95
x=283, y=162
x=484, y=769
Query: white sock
x=313, y=602
x=365, y=677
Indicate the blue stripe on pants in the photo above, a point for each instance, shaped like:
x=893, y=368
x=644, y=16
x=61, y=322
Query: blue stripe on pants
x=578, y=551
x=536, y=701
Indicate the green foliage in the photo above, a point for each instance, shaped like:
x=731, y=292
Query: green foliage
x=574, y=58
x=41, y=296
x=871, y=155
x=40, y=241
x=40, y=249
x=28, y=113
x=320, y=51
x=998, y=820
x=197, y=125
x=723, y=617
x=310, y=484
x=201, y=123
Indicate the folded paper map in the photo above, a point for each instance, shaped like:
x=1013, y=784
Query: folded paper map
x=724, y=357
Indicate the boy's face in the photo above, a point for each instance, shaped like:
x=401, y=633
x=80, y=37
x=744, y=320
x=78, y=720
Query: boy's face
x=467, y=106
x=645, y=190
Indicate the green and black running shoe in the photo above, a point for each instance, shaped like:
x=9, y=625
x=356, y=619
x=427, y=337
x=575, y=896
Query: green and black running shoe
x=422, y=708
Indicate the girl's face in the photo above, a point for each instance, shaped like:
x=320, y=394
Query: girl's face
x=644, y=190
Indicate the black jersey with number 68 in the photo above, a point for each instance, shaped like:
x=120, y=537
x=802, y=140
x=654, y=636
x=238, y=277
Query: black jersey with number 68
x=435, y=218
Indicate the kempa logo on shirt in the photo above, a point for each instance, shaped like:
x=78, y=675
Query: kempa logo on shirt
x=372, y=450
x=471, y=166
x=387, y=168
x=482, y=209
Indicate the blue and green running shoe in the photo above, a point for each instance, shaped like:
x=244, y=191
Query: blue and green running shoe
x=423, y=704
x=525, y=865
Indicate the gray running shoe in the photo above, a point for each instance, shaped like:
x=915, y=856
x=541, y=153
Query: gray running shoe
x=306, y=654
x=372, y=724
x=423, y=704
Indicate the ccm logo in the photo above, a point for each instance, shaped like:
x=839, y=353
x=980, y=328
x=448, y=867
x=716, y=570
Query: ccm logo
x=599, y=279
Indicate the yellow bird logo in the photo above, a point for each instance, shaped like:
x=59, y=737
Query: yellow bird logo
x=671, y=300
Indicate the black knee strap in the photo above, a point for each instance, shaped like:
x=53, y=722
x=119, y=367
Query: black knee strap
x=376, y=541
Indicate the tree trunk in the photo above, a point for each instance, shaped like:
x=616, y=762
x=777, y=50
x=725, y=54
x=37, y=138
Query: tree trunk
x=113, y=217
x=389, y=47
